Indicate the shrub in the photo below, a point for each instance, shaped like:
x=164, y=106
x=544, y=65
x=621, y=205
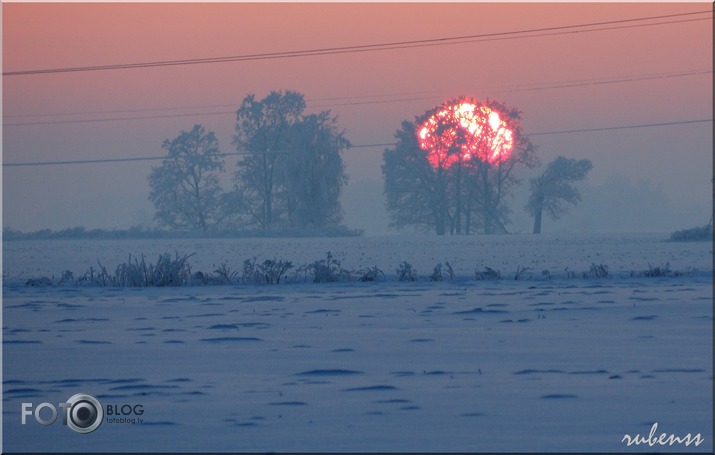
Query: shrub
x=328, y=270
x=439, y=271
x=225, y=275
x=658, y=270
x=488, y=274
x=371, y=274
x=67, y=278
x=251, y=274
x=273, y=270
x=222, y=275
x=520, y=271
x=696, y=234
x=661, y=271
x=450, y=272
x=436, y=273
x=268, y=272
x=597, y=271
x=168, y=271
x=200, y=278
x=39, y=282
x=405, y=272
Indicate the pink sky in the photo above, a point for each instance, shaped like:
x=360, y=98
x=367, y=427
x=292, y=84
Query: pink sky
x=37, y=36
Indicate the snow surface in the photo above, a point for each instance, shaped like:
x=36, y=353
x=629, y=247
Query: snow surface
x=560, y=364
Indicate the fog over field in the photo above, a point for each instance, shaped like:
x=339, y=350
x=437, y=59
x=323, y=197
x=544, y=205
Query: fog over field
x=623, y=94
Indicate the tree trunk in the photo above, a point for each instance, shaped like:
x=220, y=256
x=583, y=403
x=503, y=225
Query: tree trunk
x=537, y=220
x=442, y=211
x=486, y=203
x=266, y=194
x=438, y=221
x=468, y=216
x=458, y=214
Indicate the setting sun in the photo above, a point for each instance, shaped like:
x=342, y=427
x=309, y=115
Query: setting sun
x=463, y=130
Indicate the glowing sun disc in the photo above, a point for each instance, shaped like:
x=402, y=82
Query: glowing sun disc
x=462, y=131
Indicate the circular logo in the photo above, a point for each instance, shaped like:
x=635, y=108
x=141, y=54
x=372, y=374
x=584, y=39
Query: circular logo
x=85, y=413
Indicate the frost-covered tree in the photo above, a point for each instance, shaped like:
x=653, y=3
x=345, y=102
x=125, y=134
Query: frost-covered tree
x=415, y=192
x=292, y=173
x=313, y=173
x=452, y=170
x=553, y=189
x=185, y=189
x=263, y=133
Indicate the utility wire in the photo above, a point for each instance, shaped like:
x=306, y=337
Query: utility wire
x=525, y=33
x=548, y=86
x=107, y=160
x=603, y=81
x=122, y=111
x=386, y=144
x=212, y=106
x=117, y=119
x=390, y=97
x=623, y=127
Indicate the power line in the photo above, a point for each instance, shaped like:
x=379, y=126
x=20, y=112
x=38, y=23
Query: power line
x=383, y=144
x=534, y=87
x=524, y=33
x=209, y=106
x=70, y=162
x=610, y=80
x=386, y=144
x=623, y=127
x=355, y=99
x=585, y=130
x=117, y=119
x=101, y=161
x=120, y=111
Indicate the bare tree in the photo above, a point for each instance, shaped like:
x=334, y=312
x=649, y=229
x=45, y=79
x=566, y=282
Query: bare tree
x=185, y=189
x=554, y=188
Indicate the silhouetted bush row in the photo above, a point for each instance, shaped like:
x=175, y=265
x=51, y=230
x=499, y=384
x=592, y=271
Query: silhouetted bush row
x=175, y=270
x=140, y=232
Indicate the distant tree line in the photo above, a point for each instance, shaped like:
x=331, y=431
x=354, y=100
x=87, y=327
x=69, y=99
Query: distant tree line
x=80, y=232
x=142, y=232
x=451, y=171
x=289, y=176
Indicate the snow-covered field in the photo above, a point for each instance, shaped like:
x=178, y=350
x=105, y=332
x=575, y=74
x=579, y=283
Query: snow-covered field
x=561, y=364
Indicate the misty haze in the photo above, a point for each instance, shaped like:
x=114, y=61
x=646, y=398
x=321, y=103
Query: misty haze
x=357, y=227
x=648, y=103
